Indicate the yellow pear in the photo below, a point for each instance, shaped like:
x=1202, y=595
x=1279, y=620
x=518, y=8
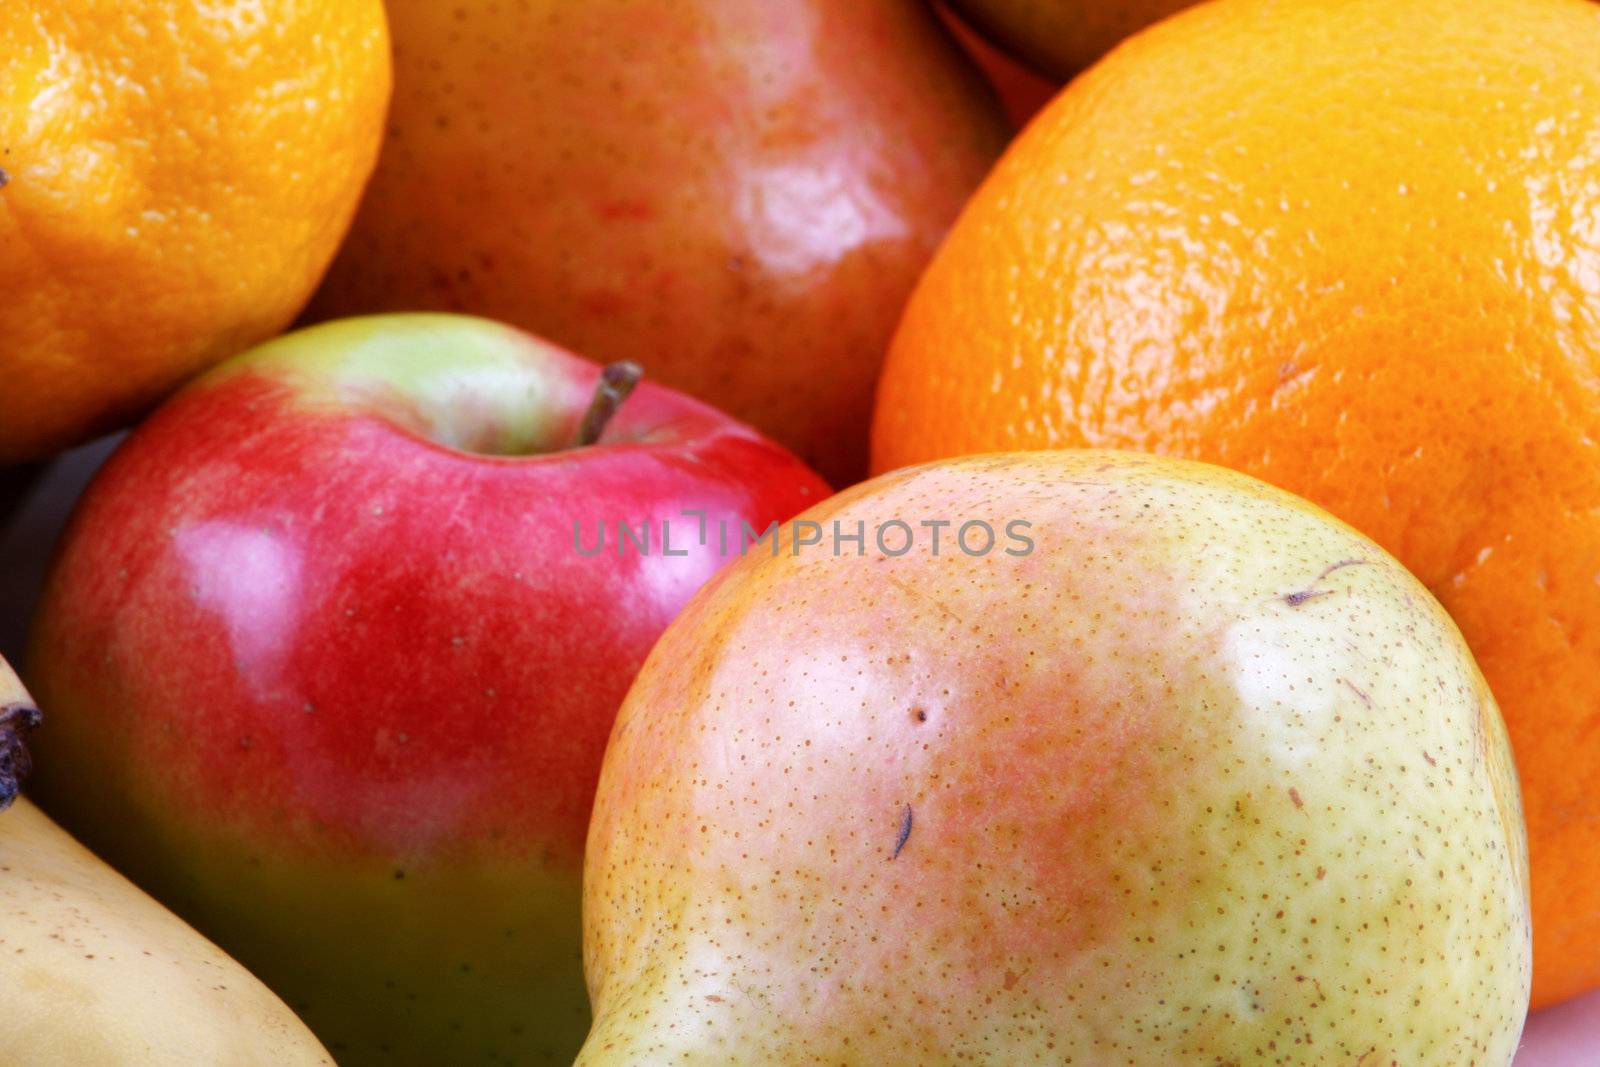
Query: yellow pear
x=1146, y=763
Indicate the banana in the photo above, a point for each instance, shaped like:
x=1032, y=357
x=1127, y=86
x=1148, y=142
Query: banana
x=94, y=973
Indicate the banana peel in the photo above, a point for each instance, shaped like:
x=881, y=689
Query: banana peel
x=95, y=973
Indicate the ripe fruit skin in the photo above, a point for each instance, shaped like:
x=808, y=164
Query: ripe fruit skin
x=1061, y=37
x=174, y=184
x=334, y=683
x=736, y=193
x=100, y=975
x=1350, y=248
x=1204, y=773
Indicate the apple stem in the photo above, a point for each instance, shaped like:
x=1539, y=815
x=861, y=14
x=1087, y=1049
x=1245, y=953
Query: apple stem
x=16, y=722
x=616, y=382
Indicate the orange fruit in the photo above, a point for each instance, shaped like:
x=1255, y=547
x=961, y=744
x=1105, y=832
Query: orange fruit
x=1061, y=37
x=1351, y=247
x=174, y=178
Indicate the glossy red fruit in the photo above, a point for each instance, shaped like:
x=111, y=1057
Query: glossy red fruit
x=739, y=194
x=327, y=673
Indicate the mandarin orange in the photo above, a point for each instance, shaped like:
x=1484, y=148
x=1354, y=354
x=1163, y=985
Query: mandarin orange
x=1351, y=247
x=174, y=178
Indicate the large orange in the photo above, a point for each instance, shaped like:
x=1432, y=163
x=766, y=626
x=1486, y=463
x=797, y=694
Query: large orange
x=174, y=178
x=1351, y=247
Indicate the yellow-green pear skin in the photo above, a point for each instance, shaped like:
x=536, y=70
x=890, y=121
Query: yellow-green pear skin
x=94, y=973
x=1202, y=776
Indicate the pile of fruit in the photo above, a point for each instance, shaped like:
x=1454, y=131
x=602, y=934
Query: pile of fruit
x=465, y=658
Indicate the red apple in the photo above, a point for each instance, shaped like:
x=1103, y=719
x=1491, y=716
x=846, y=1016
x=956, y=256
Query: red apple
x=329, y=675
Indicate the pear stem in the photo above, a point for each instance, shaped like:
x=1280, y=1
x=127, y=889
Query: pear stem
x=16, y=722
x=616, y=383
